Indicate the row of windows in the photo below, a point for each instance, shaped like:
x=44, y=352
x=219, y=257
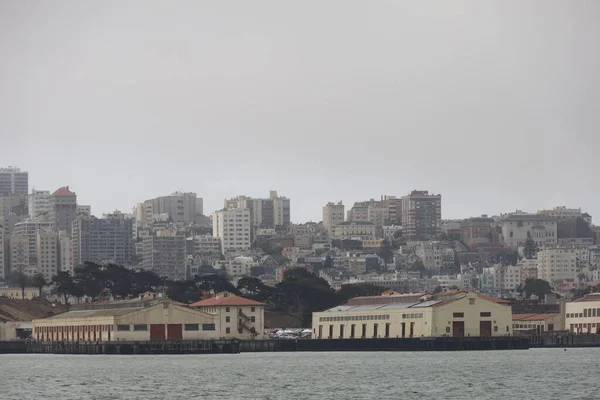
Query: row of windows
x=588, y=312
x=418, y=315
x=354, y=318
x=196, y=327
x=144, y=327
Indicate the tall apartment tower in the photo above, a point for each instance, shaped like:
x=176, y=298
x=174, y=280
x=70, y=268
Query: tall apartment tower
x=29, y=229
x=62, y=206
x=422, y=215
x=18, y=254
x=66, y=263
x=13, y=181
x=3, y=270
x=232, y=225
x=333, y=214
x=264, y=213
x=100, y=240
x=38, y=204
x=165, y=254
x=47, y=253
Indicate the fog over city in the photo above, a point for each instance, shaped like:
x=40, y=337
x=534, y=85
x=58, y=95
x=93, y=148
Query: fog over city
x=495, y=105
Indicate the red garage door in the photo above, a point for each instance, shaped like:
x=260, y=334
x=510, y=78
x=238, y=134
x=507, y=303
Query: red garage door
x=157, y=332
x=175, y=332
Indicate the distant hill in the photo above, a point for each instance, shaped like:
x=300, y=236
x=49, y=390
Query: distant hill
x=26, y=310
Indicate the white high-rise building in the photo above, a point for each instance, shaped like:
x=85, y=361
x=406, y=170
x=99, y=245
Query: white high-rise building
x=556, y=264
x=47, y=254
x=232, y=225
x=13, y=181
x=38, y=203
x=66, y=252
x=29, y=229
x=3, y=271
x=333, y=214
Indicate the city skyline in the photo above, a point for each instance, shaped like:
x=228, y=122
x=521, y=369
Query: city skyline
x=493, y=105
x=98, y=211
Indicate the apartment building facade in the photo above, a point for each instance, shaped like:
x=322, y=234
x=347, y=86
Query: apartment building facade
x=422, y=215
x=39, y=204
x=13, y=181
x=47, y=253
x=333, y=215
x=517, y=228
x=233, y=227
x=557, y=264
x=62, y=206
x=103, y=240
x=165, y=254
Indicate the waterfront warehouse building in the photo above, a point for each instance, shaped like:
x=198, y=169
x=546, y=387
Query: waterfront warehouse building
x=153, y=318
x=583, y=315
x=536, y=324
x=129, y=321
x=455, y=314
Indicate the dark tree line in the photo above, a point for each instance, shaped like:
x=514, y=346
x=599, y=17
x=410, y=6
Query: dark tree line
x=100, y=282
x=300, y=293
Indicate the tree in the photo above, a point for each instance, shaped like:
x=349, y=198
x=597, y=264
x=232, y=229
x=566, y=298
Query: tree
x=530, y=249
x=385, y=252
x=255, y=289
x=328, y=263
x=63, y=285
x=257, y=271
x=39, y=281
x=538, y=287
x=417, y=266
x=216, y=283
x=302, y=293
x=348, y=292
x=20, y=280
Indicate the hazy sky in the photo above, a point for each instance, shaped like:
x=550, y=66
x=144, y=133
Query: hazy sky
x=493, y=104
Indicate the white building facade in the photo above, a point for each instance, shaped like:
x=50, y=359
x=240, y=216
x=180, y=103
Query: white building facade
x=232, y=226
x=556, y=264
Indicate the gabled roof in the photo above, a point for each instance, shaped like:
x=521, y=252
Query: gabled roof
x=63, y=191
x=532, y=317
x=226, y=299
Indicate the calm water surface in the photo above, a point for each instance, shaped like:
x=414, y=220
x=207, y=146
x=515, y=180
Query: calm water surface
x=530, y=374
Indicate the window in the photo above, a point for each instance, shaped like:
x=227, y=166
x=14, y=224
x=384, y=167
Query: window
x=208, y=327
x=192, y=327
x=227, y=330
x=140, y=327
x=252, y=309
x=585, y=312
x=122, y=328
x=226, y=309
x=227, y=319
x=252, y=319
x=495, y=329
x=447, y=329
x=485, y=314
x=458, y=315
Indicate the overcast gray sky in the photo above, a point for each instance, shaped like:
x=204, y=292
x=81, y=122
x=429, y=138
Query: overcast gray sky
x=493, y=104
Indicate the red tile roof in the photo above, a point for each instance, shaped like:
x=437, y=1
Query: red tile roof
x=589, y=297
x=63, y=191
x=230, y=300
x=532, y=317
x=494, y=299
